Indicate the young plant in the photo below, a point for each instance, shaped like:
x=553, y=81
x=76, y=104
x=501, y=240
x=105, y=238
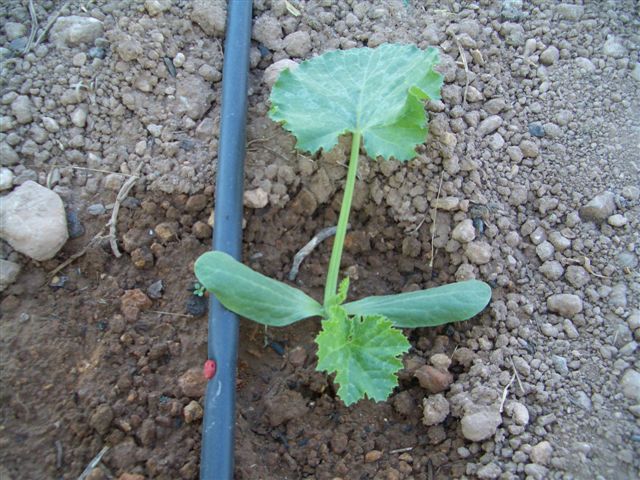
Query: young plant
x=377, y=96
x=198, y=289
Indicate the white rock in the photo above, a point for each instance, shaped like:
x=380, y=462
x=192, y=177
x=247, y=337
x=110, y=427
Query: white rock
x=489, y=471
x=496, y=142
x=559, y=241
x=14, y=30
x=545, y=251
x=549, y=56
x=630, y=384
x=599, y=208
x=464, y=231
x=577, y=276
x=489, y=125
x=6, y=179
x=257, y=198
x=518, y=412
x=8, y=155
x=6, y=123
x=155, y=7
x=50, y=125
x=569, y=11
x=154, y=129
x=481, y=424
x=8, y=273
x=529, y=149
x=22, y=109
x=635, y=72
x=74, y=30
x=478, y=253
x=565, y=304
x=552, y=269
x=113, y=181
x=633, y=320
x=613, y=48
x=298, y=44
x=210, y=15
x=79, y=116
x=535, y=471
x=618, y=296
x=193, y=96
x=617, y=220
x=447, y=203
x=541, y=453
x=33, y=221
x=631, y=192
x=267, y=31
x=435, y=408
x=273, y=71
x=585, y=64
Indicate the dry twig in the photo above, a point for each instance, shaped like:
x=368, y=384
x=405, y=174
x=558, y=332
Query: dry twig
x=435, y=220
x=100, y=171
x=466, y=68
x=308, y=248
x=401, y=450
x=111, y=225
x=122, y=195
x=93, y=463
x=34, y=27
x=94, y=241
x=506, y=391
x=160, y=312
x=49, y=23
x=515, y=372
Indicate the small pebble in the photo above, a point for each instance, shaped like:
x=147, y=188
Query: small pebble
x=196, y=306
x=536, y=129
x=372, y=456
x=97, y=52
x=617, y=220
x=6, y=178
x=435, y=409
x=155, y=290
x=74, y=226
x=96, y=209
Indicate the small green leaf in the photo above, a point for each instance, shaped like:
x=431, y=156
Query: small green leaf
x=251, y=294
x=378, y=92
x=427, y=308
x=363, y=351
x=341, y=296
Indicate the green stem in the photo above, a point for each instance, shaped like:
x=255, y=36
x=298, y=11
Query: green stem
x=331, y=286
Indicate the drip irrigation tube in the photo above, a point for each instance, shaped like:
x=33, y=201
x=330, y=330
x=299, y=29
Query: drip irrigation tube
x=218, y=428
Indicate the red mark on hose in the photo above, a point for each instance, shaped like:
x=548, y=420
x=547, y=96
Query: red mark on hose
x=209, y=369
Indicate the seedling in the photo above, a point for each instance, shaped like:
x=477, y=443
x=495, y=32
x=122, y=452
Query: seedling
x=198, y=289
x=377, y=96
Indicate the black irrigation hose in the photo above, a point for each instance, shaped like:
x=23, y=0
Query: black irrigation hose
x=218, y=432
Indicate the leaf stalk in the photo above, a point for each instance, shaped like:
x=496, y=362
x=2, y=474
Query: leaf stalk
x=331, y=285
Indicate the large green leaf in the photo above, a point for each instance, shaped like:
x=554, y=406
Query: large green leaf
x=363, y=351
x=427, y=308
x=251, y=294
x=378, y=92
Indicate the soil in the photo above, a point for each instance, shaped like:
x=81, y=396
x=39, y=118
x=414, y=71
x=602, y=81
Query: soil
x=540, y=114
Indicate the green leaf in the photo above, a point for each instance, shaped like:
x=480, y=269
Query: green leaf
x=341, y=296
x=427, y=308
x=363, y=351
x=251, y=294
x=378, y=92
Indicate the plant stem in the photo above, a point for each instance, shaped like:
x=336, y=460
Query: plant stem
x=331, y=286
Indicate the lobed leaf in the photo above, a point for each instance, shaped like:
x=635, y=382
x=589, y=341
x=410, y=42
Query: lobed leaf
x=376, y=91
x=251, y=294
x=363, y=352
x=427, y=308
